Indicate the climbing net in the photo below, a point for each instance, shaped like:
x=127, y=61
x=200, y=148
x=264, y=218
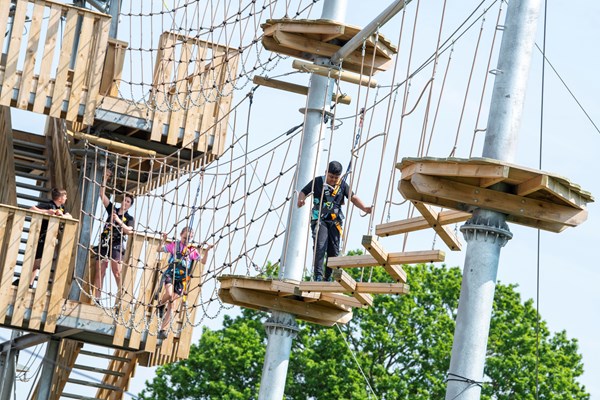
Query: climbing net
x=240, y=202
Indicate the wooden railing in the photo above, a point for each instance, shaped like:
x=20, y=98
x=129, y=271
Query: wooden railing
x=190, y=78
x=8, y=189
x=46, y=297
x=62, y=85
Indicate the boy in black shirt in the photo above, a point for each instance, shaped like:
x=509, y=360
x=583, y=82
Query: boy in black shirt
x=327, y=217
x=119, y=224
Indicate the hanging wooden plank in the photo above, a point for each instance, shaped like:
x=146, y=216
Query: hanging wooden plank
x=97, y=65
x=294, y=88
x=407, y=257
x=40, y=301
x=59, y=94
x=345, y=76
x=31, y=54
x=43, y=86
x=419, y=223
x=14, y=50
x=13, y=233
x=443, y=231
x=382, y=288
x=453, y=169
x=82, y=68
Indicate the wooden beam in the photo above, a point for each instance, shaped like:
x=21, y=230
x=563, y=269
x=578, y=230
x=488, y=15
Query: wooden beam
x=294, y=88
x=444, y=232
x=382, y=288
x=350, y=285
x=326, y=28
x=450, y=169
x=419, y=223
x=375, y=249
x=522, y=210
x=345, y=76
x=112, y=144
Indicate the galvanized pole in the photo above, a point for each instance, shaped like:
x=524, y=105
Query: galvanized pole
x=487, y=232
x=281, y=327
x=48, y=365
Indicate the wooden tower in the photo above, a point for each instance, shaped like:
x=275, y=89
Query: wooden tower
x=60, y=61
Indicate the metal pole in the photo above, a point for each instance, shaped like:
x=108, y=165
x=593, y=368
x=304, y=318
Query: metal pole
x=281, y=327
x=8, y=360
x=368, y=30
x=48, y=364
x=114, y=9
x=487, y=232
x=90, y=179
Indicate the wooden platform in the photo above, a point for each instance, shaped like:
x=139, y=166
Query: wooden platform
x=528, y=197
x=308, y=39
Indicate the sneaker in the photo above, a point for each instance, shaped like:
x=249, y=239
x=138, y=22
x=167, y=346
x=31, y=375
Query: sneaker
x=16, y=282
x=162, y=334
x=160, y=310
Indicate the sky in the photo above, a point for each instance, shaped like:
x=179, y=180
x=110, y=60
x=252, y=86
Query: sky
x=568, y=299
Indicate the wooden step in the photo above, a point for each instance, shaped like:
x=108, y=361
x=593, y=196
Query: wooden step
x=98, y=370
x=31, y=176
x=27, y=155
x=97, y=385
x=30, y=166
x=29, y=145
x=36, y=199
x=77, y=396
x=419, y=223
x=406, y=257
x=41, y=189
x=103, y=355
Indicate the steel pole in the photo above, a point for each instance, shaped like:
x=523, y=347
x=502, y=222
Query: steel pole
x=487, y=232
x=48, y=364
x=281, y=327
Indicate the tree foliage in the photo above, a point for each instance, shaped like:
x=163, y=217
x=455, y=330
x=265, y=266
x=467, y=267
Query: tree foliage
x=397, y=349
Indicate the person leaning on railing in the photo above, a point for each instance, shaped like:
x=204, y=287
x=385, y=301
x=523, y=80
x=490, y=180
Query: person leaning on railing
x=54, y=207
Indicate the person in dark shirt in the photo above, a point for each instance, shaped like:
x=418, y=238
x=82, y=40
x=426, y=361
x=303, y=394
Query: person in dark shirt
x=328, y=192
x=54, y=207
x=119, y=224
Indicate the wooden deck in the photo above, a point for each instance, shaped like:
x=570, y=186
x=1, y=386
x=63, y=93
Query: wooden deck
x=529, y=197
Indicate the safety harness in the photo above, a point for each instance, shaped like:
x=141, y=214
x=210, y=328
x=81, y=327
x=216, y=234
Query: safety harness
x=331, y=209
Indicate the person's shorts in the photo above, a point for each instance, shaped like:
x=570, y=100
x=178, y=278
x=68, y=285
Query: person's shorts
x=177, y=285
x=115, y=252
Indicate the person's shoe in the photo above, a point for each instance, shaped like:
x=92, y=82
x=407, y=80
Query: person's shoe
x=162, y=335
x=318, y=279
x=16, y=282
x=160, y=310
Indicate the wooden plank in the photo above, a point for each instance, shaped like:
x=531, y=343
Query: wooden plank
x=341, y=301
x=146, y=290
x=40, y=299
x=294, y=88
x=4, y=214
x=179, y=98
x=318, y=287
x=31, y=54
x=519, y=209
x=408, y=257
x=322, y=28
x=23, y=294
x=350, y=285
x=62, y=275
x=369, y=64
x=345, y=76
x=382, y=288
x=64, y=62
x=226, y=74
x=14, y=50
x=125, y=296
x=81, y=68
x=10, y=260
x=4, y=12
x=419, y=223
x=312, y=312
x=196, y=100
x=375, y=248
x=396, y=272
x=161, y=83
x=185, y=337
x=453, y=169
x=96, y=68
x=444, y=232
x=43, y=87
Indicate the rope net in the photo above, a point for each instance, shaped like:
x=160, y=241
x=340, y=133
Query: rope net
x=238, y=204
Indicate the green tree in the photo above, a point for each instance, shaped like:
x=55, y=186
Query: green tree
x=402, y=345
